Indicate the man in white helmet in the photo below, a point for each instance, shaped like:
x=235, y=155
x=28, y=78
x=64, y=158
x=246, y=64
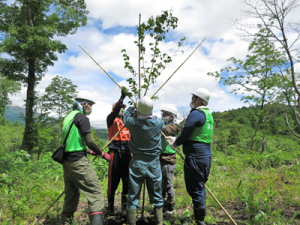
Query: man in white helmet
x=196, y=137
x=79, y=175
x=145, y=146
x=120, y=155
x=168, y=157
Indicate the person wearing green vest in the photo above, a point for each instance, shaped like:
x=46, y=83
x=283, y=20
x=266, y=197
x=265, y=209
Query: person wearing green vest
x=195, y=138
x=168, y=158
x=79, y=175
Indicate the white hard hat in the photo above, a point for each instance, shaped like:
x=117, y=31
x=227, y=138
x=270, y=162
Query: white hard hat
x=203, y=94
x=170, y=109
x=85, y=95
x=145, y=106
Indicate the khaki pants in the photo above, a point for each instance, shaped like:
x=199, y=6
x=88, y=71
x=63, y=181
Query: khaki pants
x=79, y=176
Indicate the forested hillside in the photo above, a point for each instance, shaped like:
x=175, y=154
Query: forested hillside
x=253, y=185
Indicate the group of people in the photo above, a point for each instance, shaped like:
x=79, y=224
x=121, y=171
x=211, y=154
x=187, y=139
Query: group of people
x=143, y=149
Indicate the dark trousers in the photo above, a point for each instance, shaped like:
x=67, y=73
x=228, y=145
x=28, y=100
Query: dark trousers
x=196, y=172
x=118, y=169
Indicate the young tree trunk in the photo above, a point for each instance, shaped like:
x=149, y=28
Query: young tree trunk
x=28, y=138
x=263, y=144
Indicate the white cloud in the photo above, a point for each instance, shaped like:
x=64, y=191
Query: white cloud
x=197, y=19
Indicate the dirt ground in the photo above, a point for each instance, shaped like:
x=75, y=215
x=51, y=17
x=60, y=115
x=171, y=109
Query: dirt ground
x=81, y=217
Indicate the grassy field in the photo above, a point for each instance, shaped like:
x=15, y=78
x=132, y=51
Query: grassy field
x=254, y=188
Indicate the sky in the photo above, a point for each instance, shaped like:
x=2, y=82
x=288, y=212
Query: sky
x=112, y=27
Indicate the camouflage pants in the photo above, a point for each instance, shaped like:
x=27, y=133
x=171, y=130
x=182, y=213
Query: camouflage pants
x=79, y=176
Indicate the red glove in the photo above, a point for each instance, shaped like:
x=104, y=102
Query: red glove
x=106, y=156
x=93, y=153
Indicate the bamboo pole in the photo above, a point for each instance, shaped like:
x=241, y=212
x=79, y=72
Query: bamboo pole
x=40, y=217
x=143, y=206
x=104, y=70
x=139, y=69
x=139, y=61
x=178, y=68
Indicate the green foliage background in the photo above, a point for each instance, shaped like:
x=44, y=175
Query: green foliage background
x=254, y=187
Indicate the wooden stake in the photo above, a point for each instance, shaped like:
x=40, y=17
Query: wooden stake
x=178, y=68
x=139, y=62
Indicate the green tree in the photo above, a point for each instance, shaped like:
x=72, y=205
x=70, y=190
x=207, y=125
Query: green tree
x=7, y=87
x=29, y=29
x=257, y=77
x=58, y=99
x=275, y=17
x=157, y=28
x=273, y=125
x=233, y=137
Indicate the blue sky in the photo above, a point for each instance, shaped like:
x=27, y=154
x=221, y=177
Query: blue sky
x=112, y=27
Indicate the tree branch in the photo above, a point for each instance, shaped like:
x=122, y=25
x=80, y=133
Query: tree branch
x=287, y=122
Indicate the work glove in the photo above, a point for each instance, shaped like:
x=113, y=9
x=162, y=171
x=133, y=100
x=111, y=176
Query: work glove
x=123, y=95
x=93, y=153
x=106, y=156
x=171, y=141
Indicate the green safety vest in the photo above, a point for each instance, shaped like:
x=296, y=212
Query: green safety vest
x=166, y=148
x=204, y=133
x=75, y=141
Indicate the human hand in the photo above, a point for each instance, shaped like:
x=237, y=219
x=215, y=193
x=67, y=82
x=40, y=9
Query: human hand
x=171, y=141
x=93, y=153
x=123, y=94
x=106, y=156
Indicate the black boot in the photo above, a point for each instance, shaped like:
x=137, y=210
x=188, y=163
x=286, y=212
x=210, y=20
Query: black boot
x=170, y=208
x=111, y=205
x=165, y=208
x=66, y=218
x=199, y=215
x=123, y=206
x=96, y=218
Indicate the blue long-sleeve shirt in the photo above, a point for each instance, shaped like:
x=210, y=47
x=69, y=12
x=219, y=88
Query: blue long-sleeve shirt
x=145, y=134
x=195, y=149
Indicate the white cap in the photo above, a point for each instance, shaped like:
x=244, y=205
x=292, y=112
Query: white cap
x=203, y=94
x=170, y=109
x=145, y=106
x=85, y=95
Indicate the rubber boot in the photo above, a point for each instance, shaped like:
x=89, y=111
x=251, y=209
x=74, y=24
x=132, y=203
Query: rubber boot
x=111, y=205
x=123, y=206
x=66, y=218
x=199, y=215
x=131, y=214
x=159, y=216
x=96, y=218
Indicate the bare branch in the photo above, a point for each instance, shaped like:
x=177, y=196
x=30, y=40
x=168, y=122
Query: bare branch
x=287, y=122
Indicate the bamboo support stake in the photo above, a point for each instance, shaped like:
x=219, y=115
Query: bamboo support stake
x=143, y=206
x=220, y=205
x=139, y=62
x=40, y=217
x=178, y=68
x=103, y=70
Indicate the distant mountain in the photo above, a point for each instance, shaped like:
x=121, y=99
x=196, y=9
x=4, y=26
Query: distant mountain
x=15, y=113
x=102, y=133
